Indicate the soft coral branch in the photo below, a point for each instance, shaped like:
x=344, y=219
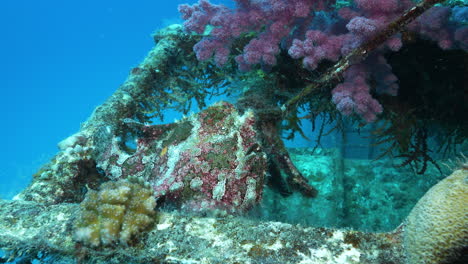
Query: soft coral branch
x=333, y=75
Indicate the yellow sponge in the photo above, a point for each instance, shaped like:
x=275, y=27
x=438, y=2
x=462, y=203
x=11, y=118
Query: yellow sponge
x=114, y=214
x=437, y=227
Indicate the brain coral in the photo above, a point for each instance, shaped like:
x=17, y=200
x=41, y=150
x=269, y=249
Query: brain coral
x=437, y=227
x=114, y=214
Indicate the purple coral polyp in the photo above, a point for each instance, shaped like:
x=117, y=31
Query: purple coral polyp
x=291, y=25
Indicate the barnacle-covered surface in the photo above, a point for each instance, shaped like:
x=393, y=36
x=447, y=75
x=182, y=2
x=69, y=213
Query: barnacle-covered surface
x=165, y=153
x=208, y=160
x=64, y=178
x=170, y=76
x=45, y=233
x=32, y=230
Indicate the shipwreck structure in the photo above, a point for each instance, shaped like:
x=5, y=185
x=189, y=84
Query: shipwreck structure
x=122, y=190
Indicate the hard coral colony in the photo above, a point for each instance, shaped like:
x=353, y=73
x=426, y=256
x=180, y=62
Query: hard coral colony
x=115, y=214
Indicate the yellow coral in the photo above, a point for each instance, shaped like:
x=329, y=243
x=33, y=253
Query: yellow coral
x=437, y=227
x=115, y=213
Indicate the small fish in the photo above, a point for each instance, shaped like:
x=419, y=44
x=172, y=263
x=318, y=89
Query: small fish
x=254, y=148
x=163, y=151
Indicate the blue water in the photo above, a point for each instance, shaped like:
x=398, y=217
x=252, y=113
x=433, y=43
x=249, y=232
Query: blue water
x=61, y=59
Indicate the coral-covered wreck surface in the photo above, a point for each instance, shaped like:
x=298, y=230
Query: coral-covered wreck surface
x=222, y=186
